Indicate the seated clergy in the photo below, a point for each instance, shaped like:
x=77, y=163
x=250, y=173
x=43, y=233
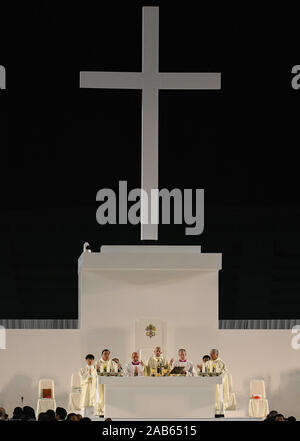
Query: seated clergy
x=183, y=362
x=105, y=364
x=135, y=368
x=157, y=361
x=88, y=379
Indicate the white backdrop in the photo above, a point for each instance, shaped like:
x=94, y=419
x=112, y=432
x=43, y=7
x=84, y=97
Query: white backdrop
x=113, y=300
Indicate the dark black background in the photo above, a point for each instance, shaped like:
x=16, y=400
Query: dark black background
x=60, y=145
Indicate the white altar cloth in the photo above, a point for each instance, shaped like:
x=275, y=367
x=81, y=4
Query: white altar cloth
x=159, y=397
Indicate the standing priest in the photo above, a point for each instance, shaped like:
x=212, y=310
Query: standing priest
x=88, y=380
x=215, y=364
x=104, y=365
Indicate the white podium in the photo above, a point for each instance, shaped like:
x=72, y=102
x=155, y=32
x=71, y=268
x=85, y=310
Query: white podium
x=159, y=397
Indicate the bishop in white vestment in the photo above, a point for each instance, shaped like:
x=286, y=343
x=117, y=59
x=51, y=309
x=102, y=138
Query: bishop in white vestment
x=183, y=362
x=156, y=360
x=105, y=364
x=135, y=368
x=88, y=380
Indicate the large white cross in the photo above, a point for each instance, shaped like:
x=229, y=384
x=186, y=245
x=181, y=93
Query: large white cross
x=150, y=81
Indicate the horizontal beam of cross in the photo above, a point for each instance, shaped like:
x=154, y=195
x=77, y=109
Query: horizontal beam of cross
x=161, y=80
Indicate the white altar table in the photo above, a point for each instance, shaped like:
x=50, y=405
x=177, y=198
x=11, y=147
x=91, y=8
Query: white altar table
x=159, y=397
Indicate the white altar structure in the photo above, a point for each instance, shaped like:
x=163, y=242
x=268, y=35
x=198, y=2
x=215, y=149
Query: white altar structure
x=175, y=289
x=159, y=397
x=178, y=286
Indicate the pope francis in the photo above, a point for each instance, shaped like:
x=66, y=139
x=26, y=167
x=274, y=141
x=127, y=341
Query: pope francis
x=156, y=360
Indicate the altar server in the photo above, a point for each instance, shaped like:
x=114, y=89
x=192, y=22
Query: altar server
x=135, y=368
x=118, y=363
x=105, y=364
x=88, y=379
x=157, y=360
x=183, y=362
x=201, y=366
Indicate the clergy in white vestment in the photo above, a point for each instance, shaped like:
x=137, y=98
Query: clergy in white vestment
x=156, y=361
x=88, y=380
x=182, y=361
x=215, y=364
x=135, y=368
x=104, y=365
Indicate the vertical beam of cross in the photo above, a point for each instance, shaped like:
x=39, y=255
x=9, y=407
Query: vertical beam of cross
x=149, y=175
x=150, y=81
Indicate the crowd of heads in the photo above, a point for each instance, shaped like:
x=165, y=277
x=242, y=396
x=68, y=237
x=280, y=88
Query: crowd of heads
x=276, y=416
x=27, y=413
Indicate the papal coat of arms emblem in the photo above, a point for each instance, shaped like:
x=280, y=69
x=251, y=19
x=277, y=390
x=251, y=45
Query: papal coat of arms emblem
x=150, y=331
